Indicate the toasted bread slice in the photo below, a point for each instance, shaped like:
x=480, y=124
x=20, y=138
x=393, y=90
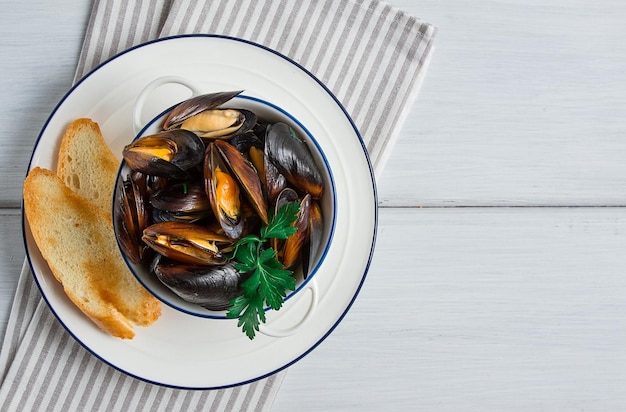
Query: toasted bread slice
x=78, y=243
x=86, y=164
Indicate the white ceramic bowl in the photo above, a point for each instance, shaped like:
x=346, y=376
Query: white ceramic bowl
x=266, y=112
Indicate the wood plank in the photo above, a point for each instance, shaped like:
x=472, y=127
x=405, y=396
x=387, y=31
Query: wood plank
x=40, y=45
x=522, y=104
x=518, y=107
x=479, y=309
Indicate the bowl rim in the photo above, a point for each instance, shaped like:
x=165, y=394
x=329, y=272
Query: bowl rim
x=171, y=298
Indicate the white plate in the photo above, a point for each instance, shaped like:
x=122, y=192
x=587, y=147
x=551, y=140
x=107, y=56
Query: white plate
x=186, y=351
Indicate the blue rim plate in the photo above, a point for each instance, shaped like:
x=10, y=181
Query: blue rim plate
x=191, y=352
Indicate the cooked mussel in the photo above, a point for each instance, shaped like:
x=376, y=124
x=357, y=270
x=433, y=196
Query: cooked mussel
x=186, y=242
x=247, y=176
x=291, y=156
x=294, y=244
x=246, y=141
x=195, y=105
x=316, y=230
x=211, y=287
x=223, y=192
x=131, y=218
x=287, y=195
x=203, y=116
x=183, y=201
x=220, y=123
x=168, y=154
x=275, y=182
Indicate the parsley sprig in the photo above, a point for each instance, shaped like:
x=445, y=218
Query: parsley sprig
x=269, y=281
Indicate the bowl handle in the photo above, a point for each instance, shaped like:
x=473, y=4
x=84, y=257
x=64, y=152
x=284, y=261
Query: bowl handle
x=143, y=96
x=280, y=333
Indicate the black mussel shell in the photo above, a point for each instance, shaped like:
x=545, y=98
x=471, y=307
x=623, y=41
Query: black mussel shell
x=211, y=287
x=275, y=182
x=245, y=141
x=169, y=154
x=186, y=242
x=316, y=230
x=220, y=123
x=247, y=176
x=292, y=158
x=195, y=105
x=294, y=244
x=132, y=216
x=223, y=192
x=182, y=198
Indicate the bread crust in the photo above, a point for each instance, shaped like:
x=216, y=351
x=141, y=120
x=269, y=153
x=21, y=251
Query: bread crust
x=77, y=241
x=86, y=164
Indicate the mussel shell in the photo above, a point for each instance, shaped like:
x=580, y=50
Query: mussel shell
x=211, y=287
x=316, y=230
x=232, y=224
x=245, y=141
x=220, y=123
x=292, y=158
x=275, y=182
x=131, y=218
x=287, y=195
x=140, y=193
x=182, y=198
x=247, y=176
x=294, y=244
x=155, y=183
x=182, y=150
x=186, y=242
x=159, y=216
x=195, y=105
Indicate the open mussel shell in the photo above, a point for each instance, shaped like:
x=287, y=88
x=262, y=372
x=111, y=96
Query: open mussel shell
x=223, y=192
x=186, y=242
x=294, y=244
x=220, y=123
x=247, y=176
x=195, y=105
x=169, y=154
x=211, y=287
x=292, y=158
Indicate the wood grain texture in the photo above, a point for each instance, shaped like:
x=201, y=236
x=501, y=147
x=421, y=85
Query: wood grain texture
x=492, y=308
x=523, y=104
x=40, y=45
x=479, y=309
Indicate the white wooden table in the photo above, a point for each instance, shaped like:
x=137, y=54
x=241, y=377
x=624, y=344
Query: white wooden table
x=499, y=277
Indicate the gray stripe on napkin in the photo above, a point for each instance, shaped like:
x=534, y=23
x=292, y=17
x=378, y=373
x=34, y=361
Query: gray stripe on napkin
x=381, y=84
x=370, y=55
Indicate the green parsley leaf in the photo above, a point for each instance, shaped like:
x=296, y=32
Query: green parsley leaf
x=280, y=226
x=245, y=256
x=268, y=282
x=253, y=313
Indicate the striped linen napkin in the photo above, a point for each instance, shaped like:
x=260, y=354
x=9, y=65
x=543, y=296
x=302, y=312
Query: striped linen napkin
x=370, y=55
